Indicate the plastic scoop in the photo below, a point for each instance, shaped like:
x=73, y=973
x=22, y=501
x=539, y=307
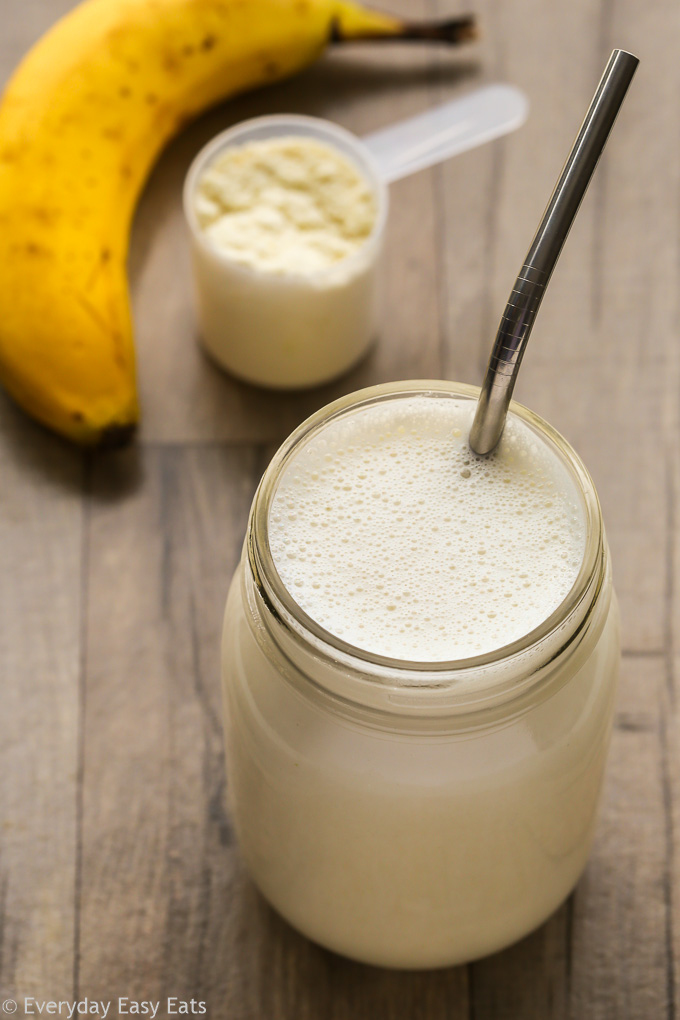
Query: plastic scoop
x=265, y=327
x=446, y=131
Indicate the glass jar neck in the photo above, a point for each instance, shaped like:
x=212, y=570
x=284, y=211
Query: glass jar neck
x=360, y=678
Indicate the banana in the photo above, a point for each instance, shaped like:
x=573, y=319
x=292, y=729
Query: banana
x=81, y=123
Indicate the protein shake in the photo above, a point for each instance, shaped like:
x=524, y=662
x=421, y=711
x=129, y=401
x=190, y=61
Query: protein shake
x=393, y=536
x=420, y=658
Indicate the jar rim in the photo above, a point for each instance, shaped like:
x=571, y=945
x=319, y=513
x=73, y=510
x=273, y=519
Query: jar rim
x=570, y=616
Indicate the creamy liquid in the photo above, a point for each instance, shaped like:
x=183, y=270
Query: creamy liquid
x=389, y=533
x=379, y=818
x=285, y=205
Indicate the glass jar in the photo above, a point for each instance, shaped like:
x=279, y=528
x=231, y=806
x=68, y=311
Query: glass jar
x=416, y=814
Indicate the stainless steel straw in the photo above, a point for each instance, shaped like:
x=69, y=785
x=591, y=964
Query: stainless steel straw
x=527, y=294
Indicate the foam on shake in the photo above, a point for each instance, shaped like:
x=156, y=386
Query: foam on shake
x=388, y=532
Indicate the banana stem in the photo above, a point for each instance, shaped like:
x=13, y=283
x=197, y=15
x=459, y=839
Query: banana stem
x=384, y=28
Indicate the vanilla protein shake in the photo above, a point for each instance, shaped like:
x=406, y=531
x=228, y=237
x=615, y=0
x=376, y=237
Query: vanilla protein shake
x=392, y=535
x=419, y=661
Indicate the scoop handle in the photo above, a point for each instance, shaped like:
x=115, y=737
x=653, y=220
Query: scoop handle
x=453, y=127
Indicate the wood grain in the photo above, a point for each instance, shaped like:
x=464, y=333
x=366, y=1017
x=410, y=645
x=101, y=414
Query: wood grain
x=157, y=861
x=669, y=731
x=529, y=981
x=622, y=956
x=40, y=665
x=118, y=871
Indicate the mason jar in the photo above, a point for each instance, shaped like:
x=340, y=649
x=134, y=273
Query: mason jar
x=416, y=814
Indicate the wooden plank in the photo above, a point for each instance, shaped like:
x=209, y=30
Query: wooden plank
x=185, y=397
x=620, y=954
x=528, y=981
x=599, y=361
x=157, y=855
x=40, y=621
x=467, y=189
x=670, y=721
x=669, y=745
x=632, y=253
x=493, y=197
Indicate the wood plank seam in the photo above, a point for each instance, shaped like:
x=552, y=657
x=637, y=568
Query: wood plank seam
x=82, y=687
x=666, y=781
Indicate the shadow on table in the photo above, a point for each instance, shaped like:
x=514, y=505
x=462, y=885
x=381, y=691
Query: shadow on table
x=49, y=459
x=280, y=975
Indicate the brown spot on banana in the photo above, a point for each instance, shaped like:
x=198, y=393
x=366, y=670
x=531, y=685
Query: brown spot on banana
x=37, y=250
x=47, y=217
x=171, y=64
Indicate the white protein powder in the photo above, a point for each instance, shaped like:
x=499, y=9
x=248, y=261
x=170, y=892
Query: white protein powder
x=285, y=205
x=391, y=534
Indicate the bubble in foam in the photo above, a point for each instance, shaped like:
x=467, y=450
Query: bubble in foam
x=426, y=552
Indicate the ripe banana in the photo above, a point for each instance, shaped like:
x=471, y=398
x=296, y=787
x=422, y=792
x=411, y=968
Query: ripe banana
x=81, y=123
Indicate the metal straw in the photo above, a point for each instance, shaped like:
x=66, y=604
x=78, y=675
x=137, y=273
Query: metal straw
x=527, y=294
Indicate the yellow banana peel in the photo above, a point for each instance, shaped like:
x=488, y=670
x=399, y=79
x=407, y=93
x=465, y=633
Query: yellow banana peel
x=81, y=123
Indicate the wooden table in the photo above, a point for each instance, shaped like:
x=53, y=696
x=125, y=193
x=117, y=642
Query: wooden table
x=118, y=871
